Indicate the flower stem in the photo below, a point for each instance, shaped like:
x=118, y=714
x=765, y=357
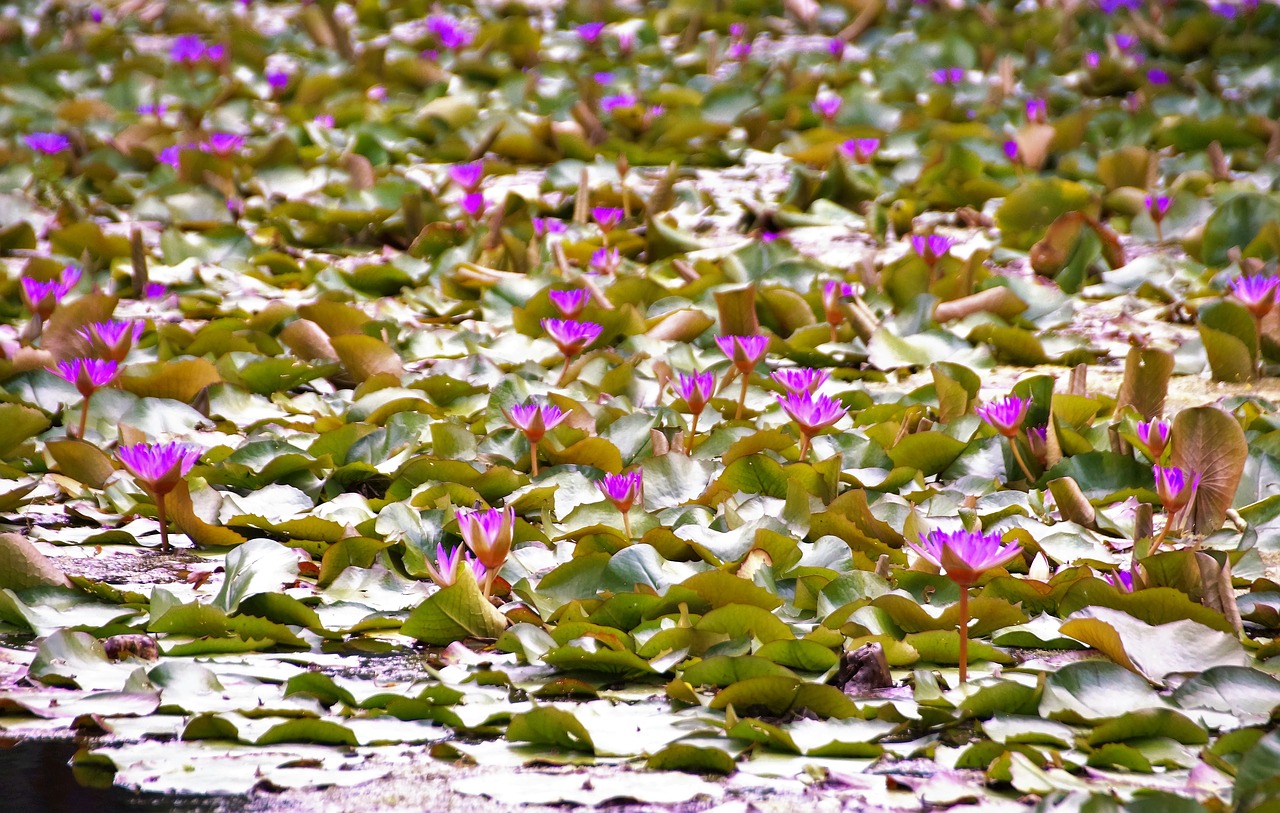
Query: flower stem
x=964, y=634
x=489, y=575
x=742, y=397
x=1022, y=464
x=564, y=374
x=693, y=430
x=626, y=524
x=533, y=459
x=804, y=446
x=84, y=416
x=834, y=336
x=164, y=524
x=1168, y=523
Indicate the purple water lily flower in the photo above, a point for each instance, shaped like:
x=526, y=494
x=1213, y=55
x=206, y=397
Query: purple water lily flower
x=42, y=297
x=606, y=260
x=827, y=106
x=548, y=225
x=1126, y=42
x=744, y=351
x=861, y=150
x=1037, y=111
x=1112, y=6
x=570, y=336
x=112, y=340
x=170, y=155
x=570, y=303
x=187, y=49
x=1121, y=580
x=1012, y=152
x=965, y=555
x=534, y=420
x=1257, y=292
x=468, y=176
x=947, y=76
x=449, y=564
x=832, y=292
x=222, y=144
x=489, y=534
x=277, y=80
x=812, y=413
x=590, y=32
x=1154, y=435
x=1174, y=487
x=1158, y=206
x=1157, y=76
x=622, y=490
x=801, y=379
x=607, y=217
x=158, y=109
x=47, y=143
x=617, y=100
x=1092, y=60
x=88, y=376
x=1037, y=441
x=159, y=467
x=931, y=248
x=696, y=389
x=1005, y=415
x=449, y=32
x=473, y=203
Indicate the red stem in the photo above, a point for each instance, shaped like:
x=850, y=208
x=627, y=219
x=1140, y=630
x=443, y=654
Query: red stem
x=533, y=459
x=742, y=397
x=84, y=415
x=164, y=525
x=964, y=634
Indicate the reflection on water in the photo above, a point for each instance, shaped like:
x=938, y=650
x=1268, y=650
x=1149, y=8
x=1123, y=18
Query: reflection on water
x=35, y=778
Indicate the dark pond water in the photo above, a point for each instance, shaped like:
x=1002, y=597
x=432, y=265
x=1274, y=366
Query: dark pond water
x=35, y=777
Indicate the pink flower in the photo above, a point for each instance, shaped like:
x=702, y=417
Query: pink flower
x=468, y=176
x=88, y=375
x=1154, y=435
x=931, y=248
x=547, y=225
x=696, y=389
x=473, y=204
x=948, y=76
x=827, y=106
x=449, y=565
x=1157, y=206
x=621, y=489
x=861, y=149
x=159, y=466
x=965, y=555
x=614, y=101
x=1174, y=488
x=607, y=217
x=832, y=292
x=488, y=533
x=744, y=351
x=1257, y=292
x=42, y=297
x=112, y=340
x=570, y=303
x=570, y=336
x=222, y=144
x=535, y=420
x=606, y=260
x=590, y=32
x=1005, y=414
x=800, y=379
x=1037, y=111
x=48, y=143
x=812, y=413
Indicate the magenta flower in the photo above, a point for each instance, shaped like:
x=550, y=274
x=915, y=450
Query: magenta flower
x=964, y=556
x=1005, y=415
x=607, y=217
x=1154, y=436
x=832, y=292
x=159, y=467
x=590, y=32
x=614, y=101
x=547, y=225
x=947, y=76
x=570, y=303
x=1158, y=207
x=931, y=248
x=1037, y=440
x=1092, y=60
x=222, y=144
x=827, y=106
x=473, y=204
x=744, y=351
x=1037, y=111
x=1174, y=488
x=1121, y=580
x=215, y=53
x=158, y=109
x=42, y=297
x=801, y=379
x=88, y=375
x=449, y=565
x=1012, y=152
x=861, y=150
x=324, y=120
x=170, y=155
x=570, y=336
x=449, y=32
x=468, y=176
x=489, y=534
x=602, y=78
x=1156, y=76
x=1257, y=292
x=187, y=49
x=277, y=80
x=112, y=340
x=812, y=413
x=1126, y=42
x=622, y=490
x=534, y=420
x=696, y=389
x=606, y=260
x=47, y=143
